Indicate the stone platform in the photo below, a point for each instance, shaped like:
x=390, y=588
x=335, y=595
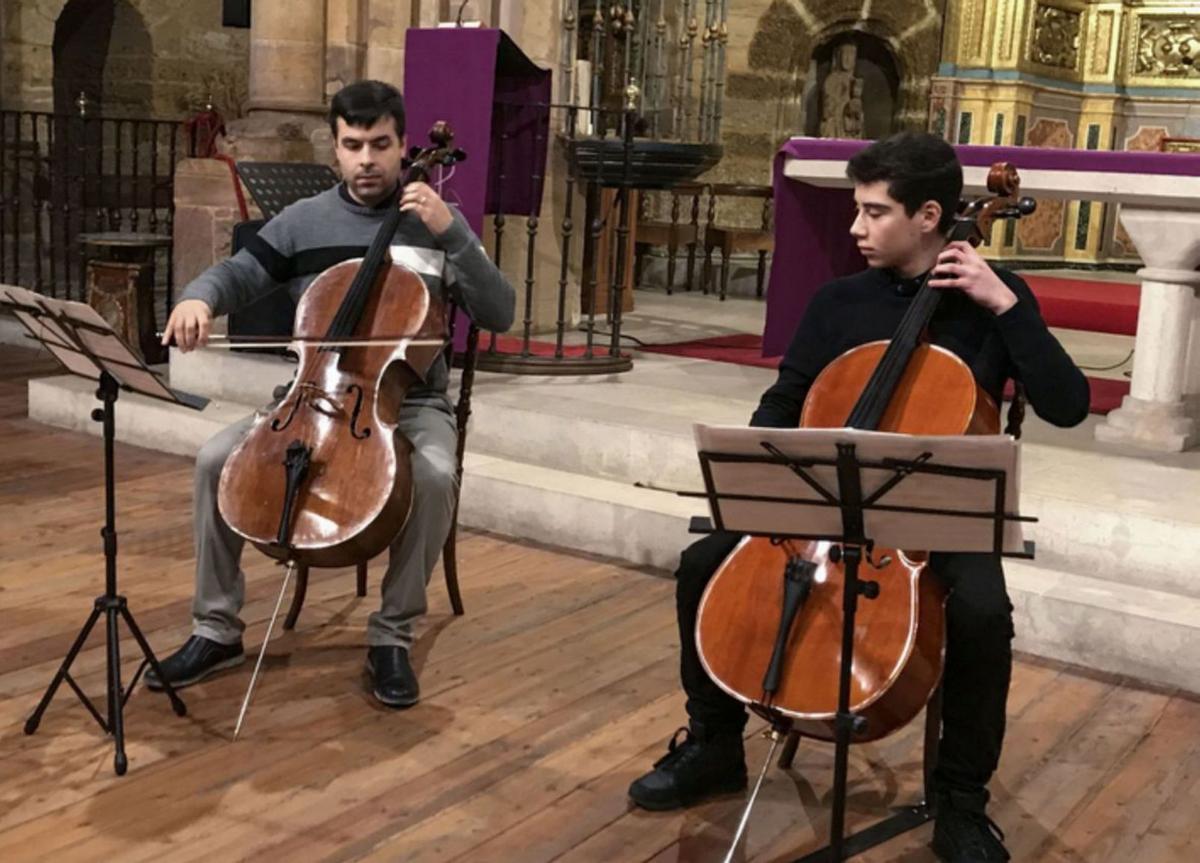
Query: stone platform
x=590, y=464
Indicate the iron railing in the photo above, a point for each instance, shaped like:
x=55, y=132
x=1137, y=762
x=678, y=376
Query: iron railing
x=62, y=175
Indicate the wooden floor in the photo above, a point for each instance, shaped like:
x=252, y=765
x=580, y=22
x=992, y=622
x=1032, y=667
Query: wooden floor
x=557, y=688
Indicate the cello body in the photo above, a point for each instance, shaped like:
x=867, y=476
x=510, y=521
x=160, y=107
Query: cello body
x=900, y=635
x=345, y=406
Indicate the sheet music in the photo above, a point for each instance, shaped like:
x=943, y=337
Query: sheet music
x=46, y=329
x=800, y=508
x=50, y=319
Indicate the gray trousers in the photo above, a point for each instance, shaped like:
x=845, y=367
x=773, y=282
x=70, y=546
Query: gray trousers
x=220, y=583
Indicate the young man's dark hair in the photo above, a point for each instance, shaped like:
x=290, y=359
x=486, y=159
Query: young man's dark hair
x=362, y=103
x=918, y=167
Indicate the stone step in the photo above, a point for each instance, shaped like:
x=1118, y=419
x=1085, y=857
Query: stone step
x=591, y=514
x=1107, y=625
x=67, y=401
x=1148, y=635
x=1101, y=514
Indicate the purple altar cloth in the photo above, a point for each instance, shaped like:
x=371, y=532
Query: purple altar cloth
x=812, y=223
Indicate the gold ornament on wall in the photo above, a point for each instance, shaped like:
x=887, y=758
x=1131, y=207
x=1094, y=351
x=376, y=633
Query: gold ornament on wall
x=1169, y=47
x=1055, y=39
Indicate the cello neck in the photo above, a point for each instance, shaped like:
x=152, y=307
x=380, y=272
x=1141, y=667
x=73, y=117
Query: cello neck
x=350, y=313
x=877, y=395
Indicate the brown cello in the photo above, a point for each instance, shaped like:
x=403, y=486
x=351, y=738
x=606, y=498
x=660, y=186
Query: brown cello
x=904, y=385
x=323, y=478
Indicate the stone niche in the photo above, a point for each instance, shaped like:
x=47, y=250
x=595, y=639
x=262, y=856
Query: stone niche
x=779, y=51
x=853, y=88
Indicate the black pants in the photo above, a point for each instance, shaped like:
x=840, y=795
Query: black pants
x=979, y=632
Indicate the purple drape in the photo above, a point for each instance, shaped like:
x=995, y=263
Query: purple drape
x=812, y=224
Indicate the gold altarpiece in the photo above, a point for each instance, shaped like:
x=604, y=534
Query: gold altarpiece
x=1082, y=74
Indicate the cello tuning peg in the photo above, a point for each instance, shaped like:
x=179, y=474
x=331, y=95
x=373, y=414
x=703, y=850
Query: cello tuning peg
x=1025, y=206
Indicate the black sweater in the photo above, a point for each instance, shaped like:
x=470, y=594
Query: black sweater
x=868, y=306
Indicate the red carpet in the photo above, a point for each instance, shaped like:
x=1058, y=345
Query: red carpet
x=743, y=349
x=746, y=349
x=1080, y=304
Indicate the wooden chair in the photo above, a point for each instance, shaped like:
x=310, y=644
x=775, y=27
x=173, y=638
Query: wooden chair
x=462, y=414
x=672, y=234
x=731, y=238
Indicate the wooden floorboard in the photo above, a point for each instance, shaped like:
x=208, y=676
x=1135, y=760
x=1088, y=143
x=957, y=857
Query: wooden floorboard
x=558, y=688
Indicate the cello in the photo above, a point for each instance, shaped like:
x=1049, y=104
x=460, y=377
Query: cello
x=323, y=478
x=905, y=385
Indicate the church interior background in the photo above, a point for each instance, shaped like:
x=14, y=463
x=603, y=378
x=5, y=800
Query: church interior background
x=131, y=116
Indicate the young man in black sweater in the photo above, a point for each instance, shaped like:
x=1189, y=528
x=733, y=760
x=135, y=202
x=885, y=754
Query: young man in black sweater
x=906, y=189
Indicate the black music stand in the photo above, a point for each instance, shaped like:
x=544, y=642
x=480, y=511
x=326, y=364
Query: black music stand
x=848, y=487
x=274, y=185
x=86, y=345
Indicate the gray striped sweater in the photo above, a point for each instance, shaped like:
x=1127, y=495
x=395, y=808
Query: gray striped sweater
x=311, y=235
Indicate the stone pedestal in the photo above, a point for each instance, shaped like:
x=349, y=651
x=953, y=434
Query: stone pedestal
x=206, y=209
x=1159, y=412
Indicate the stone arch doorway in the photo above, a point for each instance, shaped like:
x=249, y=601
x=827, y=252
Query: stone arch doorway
x=81, y=37
x=873, y=64
x=102, y=49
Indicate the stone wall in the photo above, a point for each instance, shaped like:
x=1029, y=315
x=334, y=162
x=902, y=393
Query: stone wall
x=164, y=57
x=771, y=69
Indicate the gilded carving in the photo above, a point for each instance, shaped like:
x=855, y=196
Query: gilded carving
x=1169, y=47
x=1101, y=49
x=1055, y=39
x=972, y=28
x=1006, y=31
x=1180, y=145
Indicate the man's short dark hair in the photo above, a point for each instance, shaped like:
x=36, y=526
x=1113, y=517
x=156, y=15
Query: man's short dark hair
x=364, y=103
x=918, y=167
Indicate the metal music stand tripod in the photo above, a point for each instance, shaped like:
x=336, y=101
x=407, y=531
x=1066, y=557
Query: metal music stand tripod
x=85, y=345
x=856, y=489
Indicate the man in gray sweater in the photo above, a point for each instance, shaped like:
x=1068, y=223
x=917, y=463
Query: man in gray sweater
x=291, y=250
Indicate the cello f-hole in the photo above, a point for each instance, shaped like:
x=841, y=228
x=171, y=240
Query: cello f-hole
x=276, y=425
x=357, y=391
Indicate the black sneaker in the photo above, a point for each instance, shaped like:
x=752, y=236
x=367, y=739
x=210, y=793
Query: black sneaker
x=702, y=765
x=963, y=833
x=394, y=681
x=197, y=659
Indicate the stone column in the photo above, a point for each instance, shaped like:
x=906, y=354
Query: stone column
x=345, y=44
x=287, y=85
x=387, y=24
x=1155, y=415
x=287, y=56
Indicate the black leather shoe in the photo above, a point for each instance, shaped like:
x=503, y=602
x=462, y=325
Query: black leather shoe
x=963, y=833
x=702, y=764
x=197, y=659
x=394, y=681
